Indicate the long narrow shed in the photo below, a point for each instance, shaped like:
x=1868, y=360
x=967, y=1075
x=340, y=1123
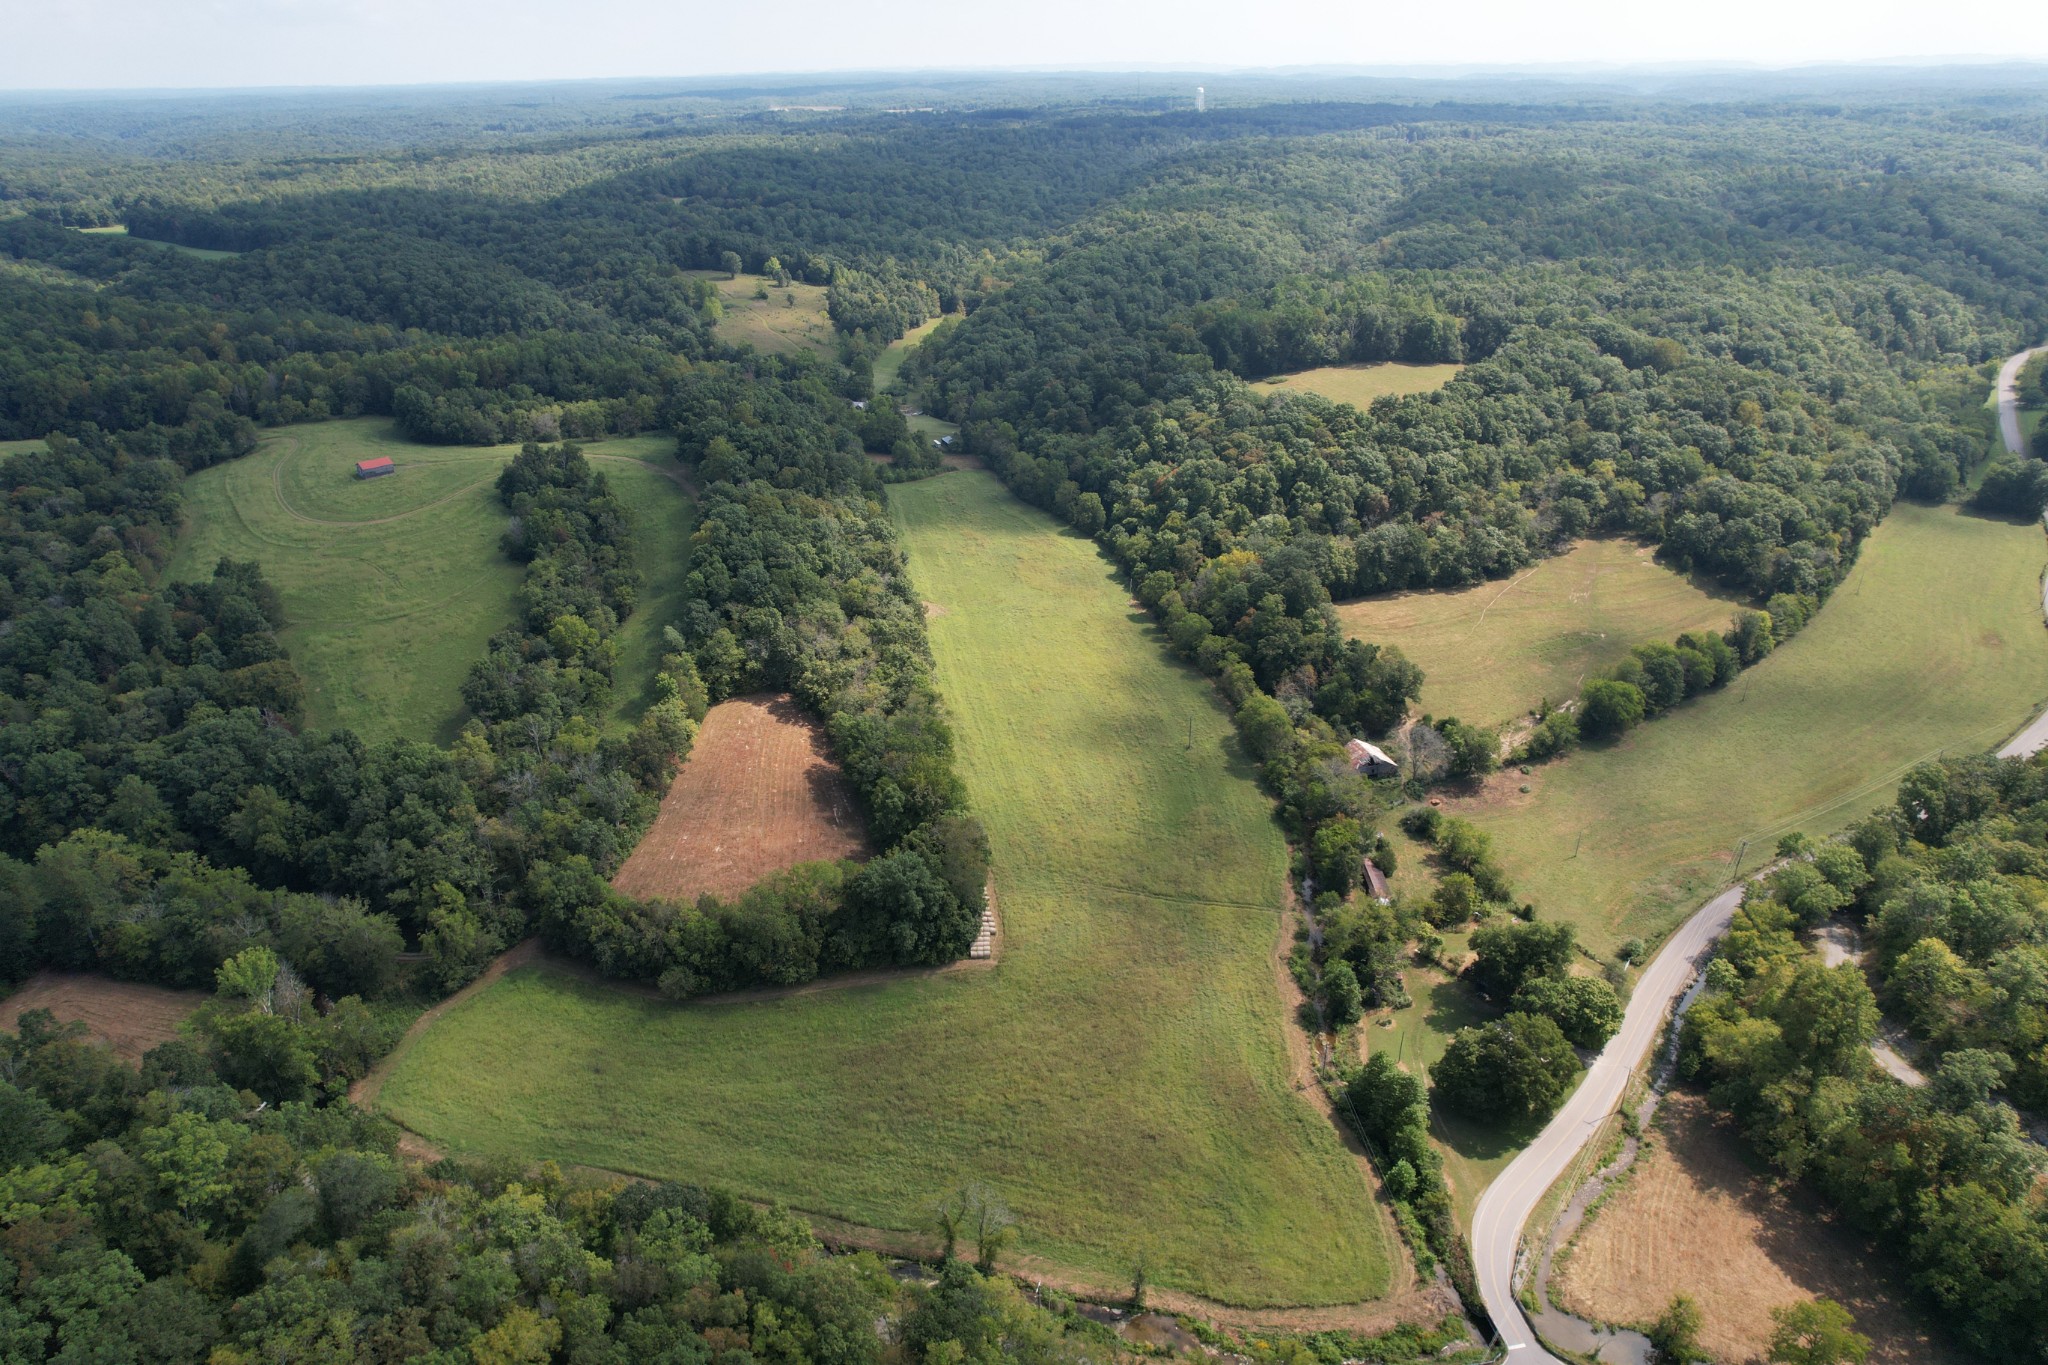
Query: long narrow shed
x=370, y=469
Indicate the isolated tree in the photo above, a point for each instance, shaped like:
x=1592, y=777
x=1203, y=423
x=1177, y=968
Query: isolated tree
x=1519, y=1065
x=994, y=1229
x=730, y=263
x=1675, y=1335
x=948, y=1214
x=1818, y=1332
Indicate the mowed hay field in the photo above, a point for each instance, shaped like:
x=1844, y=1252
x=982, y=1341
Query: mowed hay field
x=1495, y=650
x=1934, y=643
x=792, y=317
x=1695, y=1218
x=129, y=1017
x=1358, y=385
x=1120, y=1078
x=758, y=794
x=393, y=586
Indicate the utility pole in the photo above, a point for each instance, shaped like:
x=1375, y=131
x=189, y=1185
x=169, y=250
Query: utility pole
x=1738, y=856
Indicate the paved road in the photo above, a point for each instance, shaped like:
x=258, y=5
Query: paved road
x=1508, y=1201
x=2009, y=397
x=1512, y=1197
x=2031, y=740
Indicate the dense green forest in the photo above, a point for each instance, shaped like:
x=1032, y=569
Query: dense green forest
x=1736, y=329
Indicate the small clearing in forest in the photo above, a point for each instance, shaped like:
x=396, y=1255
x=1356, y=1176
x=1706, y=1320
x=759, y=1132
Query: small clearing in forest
x=129, y=1017
x=1359, y=385
x=791, y=318
x=1695, y=1218
x=1492, y=651
x=758, y=794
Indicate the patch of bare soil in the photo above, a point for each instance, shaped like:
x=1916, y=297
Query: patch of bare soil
x=757, y=794
x=1499, y=791
x=1695, y=1218
x=129, y=1017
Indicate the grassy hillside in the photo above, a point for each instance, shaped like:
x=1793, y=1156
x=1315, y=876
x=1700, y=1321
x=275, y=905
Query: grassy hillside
x=392, y=586
x=1358, y=385
x=1935, y=642
x=1121, y=1077
x=1492, y=651
x=792, y=318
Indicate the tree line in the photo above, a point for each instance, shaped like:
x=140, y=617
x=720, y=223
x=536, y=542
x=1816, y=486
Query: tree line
x=1945, y=886
x=165, y=1214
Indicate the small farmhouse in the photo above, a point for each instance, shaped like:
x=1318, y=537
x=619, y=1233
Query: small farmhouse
x=1370, y=759
x=370, y=469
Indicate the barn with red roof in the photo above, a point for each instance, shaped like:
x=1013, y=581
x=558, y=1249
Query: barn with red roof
x=370, y=469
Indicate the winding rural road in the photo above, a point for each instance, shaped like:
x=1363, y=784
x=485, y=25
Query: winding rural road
x=1509, y=1200
x=2009, y=397
x=1514, y=1194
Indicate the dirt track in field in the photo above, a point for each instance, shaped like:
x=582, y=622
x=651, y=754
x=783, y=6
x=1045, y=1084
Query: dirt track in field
x=1695, y=1218
x=130, y=1018
x=758, y=794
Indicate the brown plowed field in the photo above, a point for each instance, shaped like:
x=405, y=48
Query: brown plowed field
x=1696, y=1219
x=131, y=1018
x=758, y=794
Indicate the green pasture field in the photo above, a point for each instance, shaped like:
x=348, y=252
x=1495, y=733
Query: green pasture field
x=19, y=447
x=393, y=586
x=1935, y=643
x=1120, y=1077
x=1358, y=385
x=643, y=471
x=890, y=362
x=202, y=252
x=774, y=324
x=1494, y=651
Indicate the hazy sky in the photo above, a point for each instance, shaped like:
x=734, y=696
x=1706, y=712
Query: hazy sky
x=182, y=43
